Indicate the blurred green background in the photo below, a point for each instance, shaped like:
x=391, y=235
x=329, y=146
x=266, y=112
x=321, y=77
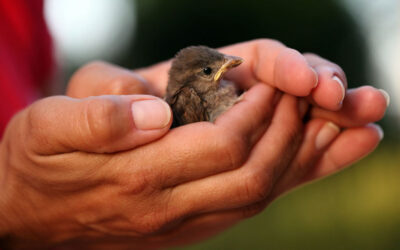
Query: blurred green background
x=359, y=208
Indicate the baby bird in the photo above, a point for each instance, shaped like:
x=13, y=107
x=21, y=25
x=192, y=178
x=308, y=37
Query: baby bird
x=196, y=91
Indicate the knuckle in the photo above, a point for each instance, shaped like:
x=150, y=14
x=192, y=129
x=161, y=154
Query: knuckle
x=127, y=84
x=156, y=213
x=155, y=220
x=36, y=117
x=133, y=181
x=233, y=149
x=34, y=123
x=84, y=70
x=257, y=186
x=99, y=119
x=149, y=224
x=35, y=114
x=78, y=81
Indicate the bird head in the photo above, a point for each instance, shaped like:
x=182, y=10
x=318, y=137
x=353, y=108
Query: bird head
x=200, y=67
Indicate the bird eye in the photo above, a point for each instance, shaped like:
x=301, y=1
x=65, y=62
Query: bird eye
x=207, y=70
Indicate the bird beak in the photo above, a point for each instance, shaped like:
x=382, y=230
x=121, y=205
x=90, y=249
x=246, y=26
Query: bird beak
x=230, y=62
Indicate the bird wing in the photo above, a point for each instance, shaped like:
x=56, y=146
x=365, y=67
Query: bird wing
x=187, y=107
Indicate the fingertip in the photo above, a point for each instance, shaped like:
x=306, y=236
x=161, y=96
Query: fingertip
x=340, y=84
x=374, y=103
x=330, y=92
x=378, y=130
x=146, y=119
x=326, y=135
x=125, y=122
x=386, y=96
x=292, y=73
x=349, y=147
x=151, y=114
x=316, y=77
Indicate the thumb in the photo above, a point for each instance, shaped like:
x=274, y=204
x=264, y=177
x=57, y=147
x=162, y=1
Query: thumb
x=96, y=124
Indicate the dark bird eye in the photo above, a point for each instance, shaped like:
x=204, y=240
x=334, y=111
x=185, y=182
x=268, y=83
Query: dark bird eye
x=207, y=70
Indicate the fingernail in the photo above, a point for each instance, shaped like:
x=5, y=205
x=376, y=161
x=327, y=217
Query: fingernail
x=316, y=77
x=337, y=79
x=378, y=128
x=326, y=135
x=386, y=95
x=151, y=114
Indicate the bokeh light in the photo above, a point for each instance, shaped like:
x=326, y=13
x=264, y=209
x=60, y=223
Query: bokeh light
x=380, y=24
x=87, y=30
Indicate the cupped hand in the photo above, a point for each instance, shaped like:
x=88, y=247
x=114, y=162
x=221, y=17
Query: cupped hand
x=316, y=157
x=103, y=169
x=89, y=175
x=338, y=133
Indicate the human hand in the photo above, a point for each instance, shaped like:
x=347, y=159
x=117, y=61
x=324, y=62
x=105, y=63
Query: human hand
x=79, y=171
x=67, y=217
x=318, y=157
x=323, y=84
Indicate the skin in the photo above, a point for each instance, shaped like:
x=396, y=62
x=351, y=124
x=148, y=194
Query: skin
x=82, y=176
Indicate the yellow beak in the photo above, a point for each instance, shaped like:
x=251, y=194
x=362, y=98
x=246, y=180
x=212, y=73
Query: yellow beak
x=230, y=62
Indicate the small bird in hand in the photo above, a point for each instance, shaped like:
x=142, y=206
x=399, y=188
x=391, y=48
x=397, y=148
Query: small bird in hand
x=196, y=90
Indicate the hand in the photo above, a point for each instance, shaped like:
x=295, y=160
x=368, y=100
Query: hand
x=82, y=171
x=324, y=85
x=316, y=158
x=74, y=208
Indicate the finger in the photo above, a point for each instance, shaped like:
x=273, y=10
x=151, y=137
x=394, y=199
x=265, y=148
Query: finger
x=350, y=146
x=253, y=114
x=210, y=224
x=156, y=76
x=319, y=134
x=184, y=232
x=332, y=83
x=265, y=61
x=271, y=62
x=101, y=78
x=252, y=182
x=95, y=124
x=202, y=149
x=361, y=106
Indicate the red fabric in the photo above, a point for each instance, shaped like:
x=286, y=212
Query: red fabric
x=25, y=55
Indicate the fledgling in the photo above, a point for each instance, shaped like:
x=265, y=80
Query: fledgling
x=196, y=91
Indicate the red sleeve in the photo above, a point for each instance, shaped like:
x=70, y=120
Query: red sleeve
x=25, y=55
